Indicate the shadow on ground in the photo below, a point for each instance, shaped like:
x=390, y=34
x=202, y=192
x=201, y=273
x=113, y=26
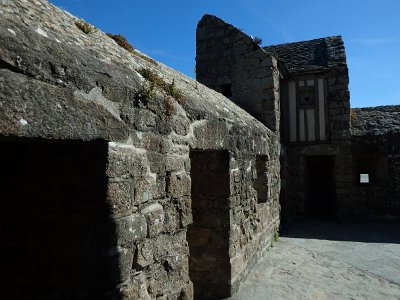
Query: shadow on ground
x=327, y=260
x=388, y=232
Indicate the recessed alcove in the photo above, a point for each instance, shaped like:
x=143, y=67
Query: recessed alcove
x=261, y=182
x=55, y=230
x=208, y=236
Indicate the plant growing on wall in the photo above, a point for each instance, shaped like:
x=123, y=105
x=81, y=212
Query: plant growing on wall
x=168, y=88
x=84, y=26
x=353, y=115
x=257, y=40
x=123, y=42
x=147, y=92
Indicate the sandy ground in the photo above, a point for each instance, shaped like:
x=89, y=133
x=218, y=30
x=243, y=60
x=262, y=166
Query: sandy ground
x=320, y=260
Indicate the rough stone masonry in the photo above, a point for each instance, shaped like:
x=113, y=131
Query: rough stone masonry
x=336, y=162
x=122, y=178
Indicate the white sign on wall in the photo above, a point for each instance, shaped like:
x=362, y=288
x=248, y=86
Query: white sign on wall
x=364, y=178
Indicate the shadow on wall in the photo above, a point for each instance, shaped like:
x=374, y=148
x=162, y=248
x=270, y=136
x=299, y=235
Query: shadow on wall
x=388, y=232
x=57, y=239
x=208, y=235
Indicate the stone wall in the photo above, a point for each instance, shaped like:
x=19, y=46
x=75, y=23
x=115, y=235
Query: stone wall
x=255, y=78
x=59, y=83
x=253, y=225
x=379, y=157
x=230, y=62
x=339, y=121
x=376, y=152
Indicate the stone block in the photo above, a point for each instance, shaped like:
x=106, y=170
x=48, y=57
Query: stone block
x=169, y=275
x=148, y=189
x=211, y=135
x=121, y=260
x=154, y=142
x=157, y=163
x=185, y=211
x=175, y=163
x=180, y=125
x=125, y=164
x=187, y=292
x=145, y=119
x=178, y=185
x=120, y=196
x=136, y=289
x=154, y=214
x=161, y=247
x=172, y=219
x=130, y=230
x=157, y=280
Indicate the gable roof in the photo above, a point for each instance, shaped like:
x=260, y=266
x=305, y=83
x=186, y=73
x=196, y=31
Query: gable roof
x=310, y=56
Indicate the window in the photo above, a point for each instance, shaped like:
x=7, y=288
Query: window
x=261, y=182
x=307, y=96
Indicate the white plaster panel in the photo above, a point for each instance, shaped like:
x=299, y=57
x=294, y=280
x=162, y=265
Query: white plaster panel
x=292, y=111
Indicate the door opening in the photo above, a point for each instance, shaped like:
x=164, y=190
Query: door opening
x=320, y=186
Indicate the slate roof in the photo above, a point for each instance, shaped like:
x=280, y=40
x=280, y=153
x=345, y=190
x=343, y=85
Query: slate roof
x=375, y=120
x=309, y=56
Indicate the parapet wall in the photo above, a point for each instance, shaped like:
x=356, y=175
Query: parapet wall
x=230, y=62
x=58, y=83
x=376, y=154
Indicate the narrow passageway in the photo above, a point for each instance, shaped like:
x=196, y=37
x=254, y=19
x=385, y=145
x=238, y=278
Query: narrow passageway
x=322, y=260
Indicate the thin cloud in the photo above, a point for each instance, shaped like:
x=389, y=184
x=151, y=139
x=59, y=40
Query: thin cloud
x=374, y=41
x=256, y=12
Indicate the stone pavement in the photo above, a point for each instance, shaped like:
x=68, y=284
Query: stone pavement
x=322, y=260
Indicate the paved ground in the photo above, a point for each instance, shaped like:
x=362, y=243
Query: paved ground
x=319, y=260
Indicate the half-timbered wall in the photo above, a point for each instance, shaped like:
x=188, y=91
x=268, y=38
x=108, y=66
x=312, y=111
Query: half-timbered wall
x=307, y=109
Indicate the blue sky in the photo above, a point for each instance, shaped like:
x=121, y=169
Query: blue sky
x=165, y=30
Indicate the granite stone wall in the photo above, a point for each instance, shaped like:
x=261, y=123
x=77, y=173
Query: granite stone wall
x=339, y=124
x=379, y=157
x=60, y=83
x=376, y=152
x=230, y=62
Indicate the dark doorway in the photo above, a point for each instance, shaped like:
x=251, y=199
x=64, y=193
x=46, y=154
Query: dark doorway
x=55, y=227
x=208, y=236
x=320, y=186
